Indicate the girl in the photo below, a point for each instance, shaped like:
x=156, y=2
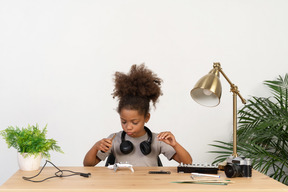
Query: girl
x=136, y=144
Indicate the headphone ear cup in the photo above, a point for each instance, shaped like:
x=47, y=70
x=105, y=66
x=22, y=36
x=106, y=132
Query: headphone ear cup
x=126, y=147
x=145, y=147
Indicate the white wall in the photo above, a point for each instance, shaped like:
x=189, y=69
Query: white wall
x=57, y=60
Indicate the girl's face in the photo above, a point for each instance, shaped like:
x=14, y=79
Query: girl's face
x=133, y=123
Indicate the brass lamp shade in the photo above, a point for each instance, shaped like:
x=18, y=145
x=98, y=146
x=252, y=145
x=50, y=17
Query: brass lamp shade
x=207, y=91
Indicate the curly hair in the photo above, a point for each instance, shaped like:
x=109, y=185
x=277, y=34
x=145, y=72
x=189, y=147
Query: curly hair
x=136, y=89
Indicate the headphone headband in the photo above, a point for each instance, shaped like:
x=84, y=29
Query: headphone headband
x=148, y=131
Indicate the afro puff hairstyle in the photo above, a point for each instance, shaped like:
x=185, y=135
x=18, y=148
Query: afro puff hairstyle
x=136, y=89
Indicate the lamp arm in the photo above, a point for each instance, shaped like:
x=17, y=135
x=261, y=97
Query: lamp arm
x=235, y=91
x=234, y=88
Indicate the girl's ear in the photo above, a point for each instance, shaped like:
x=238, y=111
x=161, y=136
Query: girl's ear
x=147, y=117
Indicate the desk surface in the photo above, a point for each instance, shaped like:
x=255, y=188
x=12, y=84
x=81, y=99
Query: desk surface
x=104, y=179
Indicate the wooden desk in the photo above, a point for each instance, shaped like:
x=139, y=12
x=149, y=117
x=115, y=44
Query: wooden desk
x=104, y=179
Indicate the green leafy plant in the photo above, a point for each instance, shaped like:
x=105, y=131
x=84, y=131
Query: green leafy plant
x=30, y=140
x=263, y=132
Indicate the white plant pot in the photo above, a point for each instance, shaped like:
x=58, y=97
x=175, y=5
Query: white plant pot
x=29, y=162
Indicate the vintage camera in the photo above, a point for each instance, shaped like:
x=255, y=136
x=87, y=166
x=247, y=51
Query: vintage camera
x=238, y=167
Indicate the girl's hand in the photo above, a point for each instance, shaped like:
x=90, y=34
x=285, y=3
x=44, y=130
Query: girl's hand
x=167, y=137
x=104, y=145
x=181, y=154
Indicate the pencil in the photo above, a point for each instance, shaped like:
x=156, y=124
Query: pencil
x=113, y=136
x=204, y=175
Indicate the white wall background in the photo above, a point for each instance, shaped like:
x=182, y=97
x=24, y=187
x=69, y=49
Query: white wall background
x=57, y=60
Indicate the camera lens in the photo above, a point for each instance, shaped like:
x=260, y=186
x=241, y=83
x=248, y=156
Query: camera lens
x=232, y=170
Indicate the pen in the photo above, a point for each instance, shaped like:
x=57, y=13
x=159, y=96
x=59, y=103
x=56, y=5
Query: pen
x=205, y=175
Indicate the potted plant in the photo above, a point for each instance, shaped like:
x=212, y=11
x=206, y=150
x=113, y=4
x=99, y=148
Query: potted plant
x=263, y=132
x=31, y=145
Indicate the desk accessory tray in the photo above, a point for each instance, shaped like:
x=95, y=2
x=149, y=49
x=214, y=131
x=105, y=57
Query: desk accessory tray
x=198, y=168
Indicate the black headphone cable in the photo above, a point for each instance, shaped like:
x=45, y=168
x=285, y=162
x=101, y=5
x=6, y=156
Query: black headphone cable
x=59, y=173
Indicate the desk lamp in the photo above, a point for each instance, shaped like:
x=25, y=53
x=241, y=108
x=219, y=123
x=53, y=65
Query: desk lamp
x=207, y=92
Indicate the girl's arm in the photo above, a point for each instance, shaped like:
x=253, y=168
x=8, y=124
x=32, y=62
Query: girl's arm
x=91, y=158
x=181, y=155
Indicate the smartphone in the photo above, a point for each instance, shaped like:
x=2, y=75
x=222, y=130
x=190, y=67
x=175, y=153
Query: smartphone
x=159, y=172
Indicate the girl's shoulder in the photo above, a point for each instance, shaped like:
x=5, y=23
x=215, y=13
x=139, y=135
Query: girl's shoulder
x=154, y=134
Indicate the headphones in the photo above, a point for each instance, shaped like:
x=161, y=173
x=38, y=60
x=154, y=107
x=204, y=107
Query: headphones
x=145, y=146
